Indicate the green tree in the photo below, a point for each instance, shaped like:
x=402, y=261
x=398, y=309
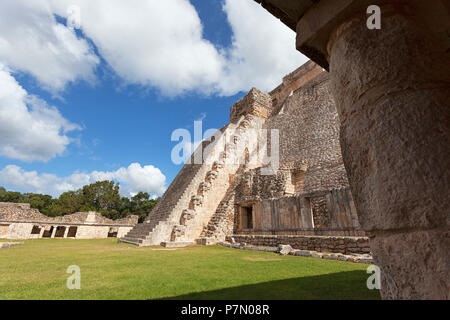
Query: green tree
x=125, y=206
x=42, y=202
x=68, y=202
x=102, y=196
x=10, y=196
x=141, y=205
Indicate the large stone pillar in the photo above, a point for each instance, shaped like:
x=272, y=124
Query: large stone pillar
x=392, y=92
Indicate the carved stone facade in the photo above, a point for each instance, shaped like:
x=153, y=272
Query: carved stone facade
x=19, y=221
x=296, y=188
x=391, y=90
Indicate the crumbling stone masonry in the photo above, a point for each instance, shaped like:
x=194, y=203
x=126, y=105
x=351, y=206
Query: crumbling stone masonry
x=344, y=245
x=19, y=221
x=307, y=195
x=391, y=88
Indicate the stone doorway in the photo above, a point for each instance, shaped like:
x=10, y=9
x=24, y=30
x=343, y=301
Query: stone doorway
x=36, y=230
x=60, y=232
x=48, y=232
x=113, y=232
x=72, y=232
x=247, y=217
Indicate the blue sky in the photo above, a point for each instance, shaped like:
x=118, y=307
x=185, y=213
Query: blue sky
x=101, y=100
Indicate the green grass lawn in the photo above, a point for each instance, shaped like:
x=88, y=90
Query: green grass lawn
x=37, y=270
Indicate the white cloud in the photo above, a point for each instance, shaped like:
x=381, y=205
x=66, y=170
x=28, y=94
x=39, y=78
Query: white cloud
x=133, y=179
x=29, y=128
x=151, y=43
x=263, y=49
x=32, y=41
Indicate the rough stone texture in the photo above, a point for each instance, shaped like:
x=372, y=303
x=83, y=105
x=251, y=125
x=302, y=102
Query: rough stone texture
x=392, y=89
x=306, y=195
x=255, y=186
x=255, y=102
x=295, y=215
x=308, y=126
x=17, y=221
x=177, y=244
x=345, y=245
x=321, y=215
x=221, y=161
x=284, y=249
x=292, y=82
x=354, y=257
x=395, y=136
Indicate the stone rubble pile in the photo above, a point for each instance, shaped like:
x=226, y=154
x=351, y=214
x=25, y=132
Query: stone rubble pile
x=9, y=244
x=288, y=250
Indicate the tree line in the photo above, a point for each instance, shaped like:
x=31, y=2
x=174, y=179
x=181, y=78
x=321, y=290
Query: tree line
x=102, y=196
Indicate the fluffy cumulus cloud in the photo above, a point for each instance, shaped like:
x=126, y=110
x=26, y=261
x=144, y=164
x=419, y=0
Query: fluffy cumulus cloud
x=155, y=43
x=151, y=43
x=133, y=179
x=262, y=52
x=32, y=41
x=158, y=44
x=29, y=128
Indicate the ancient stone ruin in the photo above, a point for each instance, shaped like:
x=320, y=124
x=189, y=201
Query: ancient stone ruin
x=19, y=221
x=228, y=190
x=391, y=88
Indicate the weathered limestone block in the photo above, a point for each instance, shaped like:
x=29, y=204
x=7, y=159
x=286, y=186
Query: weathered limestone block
x=211, y=175
x=284, y=249
x=414, y=265
x=178, y=231
x=302, y=253
x=204, y=187
x=186, y=216
x=391, y=88
x=218, y=165
x=255, y=103
x=196, y=200
x=246, y=123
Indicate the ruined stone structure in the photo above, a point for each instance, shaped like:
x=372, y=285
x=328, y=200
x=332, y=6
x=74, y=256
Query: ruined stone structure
x=19, y=221
x=291, y=188
x=392, y=90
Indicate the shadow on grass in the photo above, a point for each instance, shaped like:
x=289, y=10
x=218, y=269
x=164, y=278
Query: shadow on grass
x=348, y=285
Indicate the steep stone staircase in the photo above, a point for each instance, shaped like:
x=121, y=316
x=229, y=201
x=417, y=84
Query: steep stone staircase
x=221, y=223
x=194, y=196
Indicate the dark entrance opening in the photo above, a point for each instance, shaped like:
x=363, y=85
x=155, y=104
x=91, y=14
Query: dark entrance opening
x=36, y=230
x=247, y=217
x=113, y=232
x=48, y=232
x=60, y=232
x=72, y=232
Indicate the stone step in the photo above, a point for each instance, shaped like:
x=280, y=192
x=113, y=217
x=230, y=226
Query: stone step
x=205, y=241
x=130, y=241
x=135, y=238
x=177, y=244
x=135, y=235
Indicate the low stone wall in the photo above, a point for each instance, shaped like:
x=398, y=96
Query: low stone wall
x=337, y=232
x=352, y=257
x=20, y=221
x=343, y=245
x=23, y=230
